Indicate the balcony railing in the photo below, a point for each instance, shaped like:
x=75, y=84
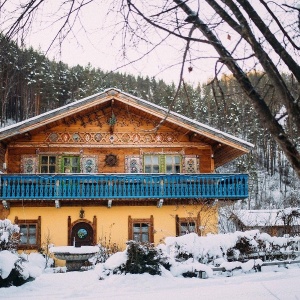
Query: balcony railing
x=123, y=186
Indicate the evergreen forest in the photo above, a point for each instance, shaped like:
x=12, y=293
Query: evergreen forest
x=32, y=84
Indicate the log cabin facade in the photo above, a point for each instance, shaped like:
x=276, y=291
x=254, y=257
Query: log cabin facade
x=114, y=166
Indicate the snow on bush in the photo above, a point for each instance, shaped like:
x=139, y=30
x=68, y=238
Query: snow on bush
x=16, y=269
x=188, y=255
x=8, y=235
x=7, y=263
x=230, y=245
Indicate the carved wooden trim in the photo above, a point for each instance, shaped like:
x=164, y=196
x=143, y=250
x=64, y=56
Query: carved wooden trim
x=168, y=137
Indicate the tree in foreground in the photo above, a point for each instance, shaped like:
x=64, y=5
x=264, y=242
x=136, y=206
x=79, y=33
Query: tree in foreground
x=238, y=35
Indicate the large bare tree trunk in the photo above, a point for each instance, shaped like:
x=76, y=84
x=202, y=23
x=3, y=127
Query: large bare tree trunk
x=266, y=118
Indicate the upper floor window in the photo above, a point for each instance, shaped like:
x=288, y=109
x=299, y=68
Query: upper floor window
x=173, y=163
x=151, y=164
x=70, y=164
x=48, y=164
x=160, y=163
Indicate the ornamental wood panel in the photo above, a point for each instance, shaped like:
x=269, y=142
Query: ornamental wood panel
x=105, y=135
x=17, y=157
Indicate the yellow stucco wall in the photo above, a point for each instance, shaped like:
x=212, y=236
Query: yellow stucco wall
x=113, y=222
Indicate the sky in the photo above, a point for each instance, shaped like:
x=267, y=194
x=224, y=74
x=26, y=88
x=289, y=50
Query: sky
x=97, y=38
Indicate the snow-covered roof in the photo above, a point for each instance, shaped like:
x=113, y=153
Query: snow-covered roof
x=226, y=146
x=113, y=92
x=263, y=217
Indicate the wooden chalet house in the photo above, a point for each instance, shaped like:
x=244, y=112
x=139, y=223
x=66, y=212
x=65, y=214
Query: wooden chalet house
x=114, y=167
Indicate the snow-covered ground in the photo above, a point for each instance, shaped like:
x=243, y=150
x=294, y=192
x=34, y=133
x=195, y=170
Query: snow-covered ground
x=270, y=284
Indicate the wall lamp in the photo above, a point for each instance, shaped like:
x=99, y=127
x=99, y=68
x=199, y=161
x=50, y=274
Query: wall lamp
x=109, y=203
x=160, y=203
x=5, y=204
x=57, y=204
x=81, y=213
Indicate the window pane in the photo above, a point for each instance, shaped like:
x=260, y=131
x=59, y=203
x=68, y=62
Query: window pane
x=136, y=227
x=52, y=160
x=44, y=160
x=147, y=159
x=51, y=169
x=66, y=160
x=169, y=159
x=32, y=240
x=23, y=234
x=141, y=232
x=23, y=239
x=44, y=169
x=155, y=169
x=32, y=229
x=145, y=238
x=169, y=169
x=187, y=227
x=23, y=228
x=147, y=169
x=144, y=227
x=155, y=159
x=177, y=169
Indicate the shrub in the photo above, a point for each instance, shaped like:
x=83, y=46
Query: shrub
x=9, y=236
x=13, y=268
x=142, y=258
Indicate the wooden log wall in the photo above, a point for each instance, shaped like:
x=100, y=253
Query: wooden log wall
x=119, y=133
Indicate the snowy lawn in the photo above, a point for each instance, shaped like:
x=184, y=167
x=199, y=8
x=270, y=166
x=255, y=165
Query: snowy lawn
x=272, y=283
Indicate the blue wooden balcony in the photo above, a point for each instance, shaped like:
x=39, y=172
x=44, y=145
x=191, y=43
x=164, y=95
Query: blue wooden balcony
x=123, y=186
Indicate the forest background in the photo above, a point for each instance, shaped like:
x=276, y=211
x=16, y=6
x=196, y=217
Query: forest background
x=31, y=84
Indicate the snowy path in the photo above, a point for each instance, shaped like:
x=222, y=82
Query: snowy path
x=283, y=284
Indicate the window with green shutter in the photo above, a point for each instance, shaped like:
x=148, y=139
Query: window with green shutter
x=162, y=163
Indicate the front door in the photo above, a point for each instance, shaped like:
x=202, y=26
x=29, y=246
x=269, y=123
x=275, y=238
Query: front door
x=82, y=234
